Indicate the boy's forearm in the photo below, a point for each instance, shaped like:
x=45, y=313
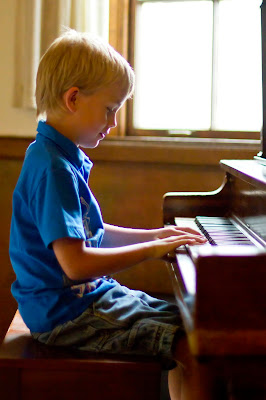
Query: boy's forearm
x=81, y=263
x=115, y=236
x=107, y=261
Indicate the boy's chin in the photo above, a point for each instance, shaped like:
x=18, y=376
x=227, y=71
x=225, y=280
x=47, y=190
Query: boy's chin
x=89, y=145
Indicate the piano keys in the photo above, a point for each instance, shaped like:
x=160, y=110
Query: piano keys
x=222, y=231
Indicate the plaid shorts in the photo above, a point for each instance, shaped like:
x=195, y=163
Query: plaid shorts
x=125, y=322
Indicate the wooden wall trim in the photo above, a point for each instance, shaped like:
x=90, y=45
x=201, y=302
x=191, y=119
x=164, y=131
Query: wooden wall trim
x=186, y=151
x=151, y=150
x=13, y=147
x=118, y=38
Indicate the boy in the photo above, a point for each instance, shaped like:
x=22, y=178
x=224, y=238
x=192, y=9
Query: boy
x=61, y=251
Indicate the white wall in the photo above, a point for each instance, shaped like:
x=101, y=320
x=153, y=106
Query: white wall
x=13, y=121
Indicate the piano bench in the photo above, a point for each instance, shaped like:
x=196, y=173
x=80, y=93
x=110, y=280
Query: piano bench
x=30, y=370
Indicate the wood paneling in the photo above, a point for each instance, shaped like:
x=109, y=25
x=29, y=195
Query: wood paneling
x=9, y=171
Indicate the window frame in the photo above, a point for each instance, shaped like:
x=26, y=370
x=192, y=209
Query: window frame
x=121, y=36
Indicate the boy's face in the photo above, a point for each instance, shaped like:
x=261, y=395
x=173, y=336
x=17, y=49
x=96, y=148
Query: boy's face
x=96, y=114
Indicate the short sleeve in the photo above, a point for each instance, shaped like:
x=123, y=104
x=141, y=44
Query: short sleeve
x=56, y=207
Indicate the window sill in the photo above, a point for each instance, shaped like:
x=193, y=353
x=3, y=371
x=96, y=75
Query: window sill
x=197, y=151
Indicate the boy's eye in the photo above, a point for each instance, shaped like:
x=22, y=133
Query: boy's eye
x=110, y=110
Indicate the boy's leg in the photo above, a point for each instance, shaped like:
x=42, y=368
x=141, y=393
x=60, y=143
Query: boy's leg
x=190, y=380
x=175, y=380
x=128, y=322
x=122, y=321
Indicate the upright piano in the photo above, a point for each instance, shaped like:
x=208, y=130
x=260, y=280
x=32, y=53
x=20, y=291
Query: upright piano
x=220, y=286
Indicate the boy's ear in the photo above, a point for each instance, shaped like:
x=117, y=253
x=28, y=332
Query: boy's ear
x=70, y=99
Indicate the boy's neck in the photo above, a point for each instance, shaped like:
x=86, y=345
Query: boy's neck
x=63, y=125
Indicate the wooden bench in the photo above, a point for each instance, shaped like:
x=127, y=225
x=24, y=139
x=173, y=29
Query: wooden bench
x=30, y=370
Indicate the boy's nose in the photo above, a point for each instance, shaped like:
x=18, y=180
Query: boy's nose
x=112, y=122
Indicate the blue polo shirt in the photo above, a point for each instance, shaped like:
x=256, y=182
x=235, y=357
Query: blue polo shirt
x=52, y=200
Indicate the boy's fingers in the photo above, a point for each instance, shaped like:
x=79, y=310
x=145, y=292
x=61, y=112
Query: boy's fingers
x=178, y=231
x=187, y=237
x=188, y=230
x=186, y=241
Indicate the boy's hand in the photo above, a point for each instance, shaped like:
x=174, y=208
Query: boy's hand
x=162, y=246
x=174, y=231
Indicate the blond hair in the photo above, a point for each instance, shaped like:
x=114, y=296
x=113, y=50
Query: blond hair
x=81, y=60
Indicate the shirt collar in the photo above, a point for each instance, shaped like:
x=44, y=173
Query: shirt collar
x=72, y=152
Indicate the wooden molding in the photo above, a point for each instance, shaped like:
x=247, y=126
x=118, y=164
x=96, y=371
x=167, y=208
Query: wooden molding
x=151, y=150
x=14, y=147
x=118, y=38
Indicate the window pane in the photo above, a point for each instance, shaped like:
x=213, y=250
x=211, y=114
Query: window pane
x=239, y=79
x=173, y=64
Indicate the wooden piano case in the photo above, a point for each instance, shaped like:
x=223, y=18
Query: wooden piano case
x=224, y=307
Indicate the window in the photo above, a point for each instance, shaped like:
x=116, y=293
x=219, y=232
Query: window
x=198, y=68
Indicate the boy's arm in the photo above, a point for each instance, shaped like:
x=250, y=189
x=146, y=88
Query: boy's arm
x=115, y=236
x=82, y=263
